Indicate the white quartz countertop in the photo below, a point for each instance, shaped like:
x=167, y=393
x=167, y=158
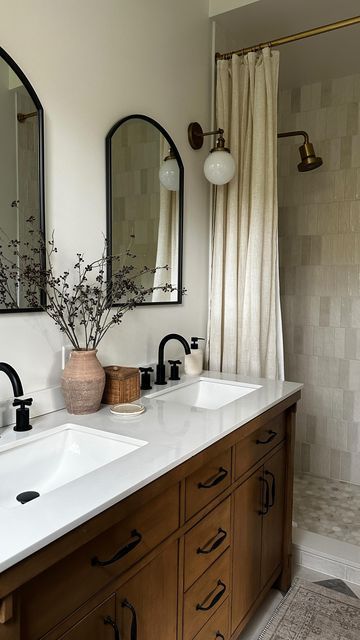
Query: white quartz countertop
x=173, y=433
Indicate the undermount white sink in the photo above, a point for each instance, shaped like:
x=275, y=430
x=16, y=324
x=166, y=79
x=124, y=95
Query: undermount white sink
x=205, y=393
x=46, y=461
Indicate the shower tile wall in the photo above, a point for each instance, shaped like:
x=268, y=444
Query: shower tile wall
x=319, y=238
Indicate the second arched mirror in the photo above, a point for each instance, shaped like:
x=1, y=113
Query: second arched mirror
x=144, y=175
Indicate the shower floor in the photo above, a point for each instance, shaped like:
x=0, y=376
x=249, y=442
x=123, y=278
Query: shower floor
x=328, y=507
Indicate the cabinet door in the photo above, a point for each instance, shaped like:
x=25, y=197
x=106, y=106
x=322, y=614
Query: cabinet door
x=97, y=625
x=273, y=520
x=246, y=546
x=146, y=605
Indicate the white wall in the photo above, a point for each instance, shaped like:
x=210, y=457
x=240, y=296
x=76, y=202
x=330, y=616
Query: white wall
x=93, y=62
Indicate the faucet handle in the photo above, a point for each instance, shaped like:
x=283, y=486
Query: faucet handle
x=22, y=403
x=174, y=369
x=22, y=414
x=145, y=378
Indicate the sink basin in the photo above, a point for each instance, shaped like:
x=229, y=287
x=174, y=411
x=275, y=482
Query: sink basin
x=206, y=393
x=46, y=461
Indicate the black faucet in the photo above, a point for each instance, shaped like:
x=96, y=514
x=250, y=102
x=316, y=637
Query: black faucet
x=22, y=414
x=160, y=367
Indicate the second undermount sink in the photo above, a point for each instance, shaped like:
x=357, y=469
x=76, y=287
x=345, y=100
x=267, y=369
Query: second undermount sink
x=43, y=462
x=205, y=393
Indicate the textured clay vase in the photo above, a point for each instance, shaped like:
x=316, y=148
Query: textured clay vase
x=83, y=382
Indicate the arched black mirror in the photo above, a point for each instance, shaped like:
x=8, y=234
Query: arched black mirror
x=21, y=173
x=145, y=184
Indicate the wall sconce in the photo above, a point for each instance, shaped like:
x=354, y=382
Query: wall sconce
x=219, y=166
x=169, y=172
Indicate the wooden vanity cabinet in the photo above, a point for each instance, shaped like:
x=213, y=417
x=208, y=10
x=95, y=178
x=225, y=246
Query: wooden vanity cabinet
x=203, y=545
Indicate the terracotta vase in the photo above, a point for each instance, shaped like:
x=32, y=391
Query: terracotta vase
x=82, y=382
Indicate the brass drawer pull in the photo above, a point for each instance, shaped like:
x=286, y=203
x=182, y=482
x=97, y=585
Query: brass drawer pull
x=110, y=621
x=217, y=542
x=121, y=553
x=212, y=482
x=200, y=607
x=219, y=635
x=272, y=435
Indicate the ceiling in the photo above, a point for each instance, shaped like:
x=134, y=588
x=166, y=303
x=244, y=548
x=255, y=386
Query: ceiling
x=325, y=56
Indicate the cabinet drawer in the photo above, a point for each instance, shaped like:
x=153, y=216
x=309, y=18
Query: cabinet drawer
x=206, y=542
x=251, y=449
x=206, y=596
x=217, y=628
x=207, y=482
x=61, y=589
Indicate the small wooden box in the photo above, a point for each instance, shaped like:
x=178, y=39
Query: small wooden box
x=122, y=384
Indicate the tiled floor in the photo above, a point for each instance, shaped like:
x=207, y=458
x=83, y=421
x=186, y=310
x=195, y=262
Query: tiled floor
x=328, y=507
x=254, y=629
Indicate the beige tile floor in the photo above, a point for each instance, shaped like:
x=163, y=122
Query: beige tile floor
x=255, y=627
x=328, y=507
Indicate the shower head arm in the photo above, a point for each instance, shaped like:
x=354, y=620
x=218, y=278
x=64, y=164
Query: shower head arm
x=288, y=134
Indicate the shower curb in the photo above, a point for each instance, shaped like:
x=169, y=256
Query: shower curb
x=326, y=555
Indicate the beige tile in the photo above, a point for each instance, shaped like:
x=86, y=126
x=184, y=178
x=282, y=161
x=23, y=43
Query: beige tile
x=319, y=460
x=345, y=464
x=352, y=127
x=353, y=437
x=354, y=375
x=334, y=464
x=336, y=121
x=328, y=372
x=342, y=90
x=344, y=215
x=346, y=152
x=355, y=151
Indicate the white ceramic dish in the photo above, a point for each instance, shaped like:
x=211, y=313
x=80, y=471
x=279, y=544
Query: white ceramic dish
x=127, y=409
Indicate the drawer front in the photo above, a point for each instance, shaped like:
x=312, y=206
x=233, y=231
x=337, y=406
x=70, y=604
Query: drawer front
x=71, y=581
x=217, y=628
x=251, y=449
x=206, y=596
x=207, y=482
x=206, y=542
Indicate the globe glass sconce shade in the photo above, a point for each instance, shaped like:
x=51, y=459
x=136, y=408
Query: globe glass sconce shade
x=169, y=174
x=219, y=166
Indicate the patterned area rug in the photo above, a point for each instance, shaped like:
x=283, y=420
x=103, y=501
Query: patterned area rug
x=312, y=612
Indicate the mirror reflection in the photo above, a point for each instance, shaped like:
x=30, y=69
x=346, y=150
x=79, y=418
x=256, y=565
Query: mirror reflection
x=21, y=179
x=145, y=197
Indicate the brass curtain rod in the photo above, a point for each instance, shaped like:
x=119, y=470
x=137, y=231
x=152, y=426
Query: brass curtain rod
x=296, y=36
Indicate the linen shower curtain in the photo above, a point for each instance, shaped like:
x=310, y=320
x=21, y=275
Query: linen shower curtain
x=245, y=330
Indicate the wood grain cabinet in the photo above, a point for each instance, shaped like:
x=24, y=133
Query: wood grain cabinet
x=258, y=532
x=188, y=557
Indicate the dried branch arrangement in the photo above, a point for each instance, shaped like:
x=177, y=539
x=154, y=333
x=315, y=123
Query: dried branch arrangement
x=80, y=301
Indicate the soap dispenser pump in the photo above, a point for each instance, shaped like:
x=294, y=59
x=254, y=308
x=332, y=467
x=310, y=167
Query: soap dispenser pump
x=194, y=362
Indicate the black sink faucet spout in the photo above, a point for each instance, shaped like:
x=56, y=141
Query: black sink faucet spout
x=22, y=413
x=13, y=377
x=160, y=367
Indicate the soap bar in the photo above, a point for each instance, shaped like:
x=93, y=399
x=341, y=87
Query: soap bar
x=193, y=364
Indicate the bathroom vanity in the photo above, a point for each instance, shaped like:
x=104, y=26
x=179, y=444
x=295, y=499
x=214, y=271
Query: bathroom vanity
x=180, y=539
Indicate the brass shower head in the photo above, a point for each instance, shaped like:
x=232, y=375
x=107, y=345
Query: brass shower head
x=309, y=160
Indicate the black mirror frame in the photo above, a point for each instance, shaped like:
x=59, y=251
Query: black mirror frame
x=109, y=136
x=41, y=169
